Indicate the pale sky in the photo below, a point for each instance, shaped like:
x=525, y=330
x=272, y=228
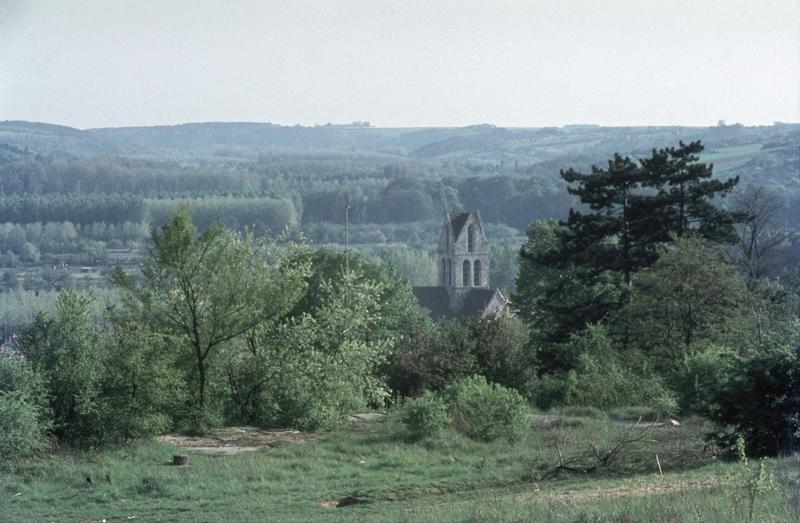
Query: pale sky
x=98, y=63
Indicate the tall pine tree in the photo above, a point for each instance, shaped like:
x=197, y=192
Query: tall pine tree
x=614, y=235
x=685, y=190
x=636, y=207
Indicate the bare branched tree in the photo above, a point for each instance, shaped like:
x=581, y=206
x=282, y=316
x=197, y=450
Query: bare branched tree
x=759, y=239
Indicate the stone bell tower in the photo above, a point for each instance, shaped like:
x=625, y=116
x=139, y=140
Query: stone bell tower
x=463, y=253
x=463, y=267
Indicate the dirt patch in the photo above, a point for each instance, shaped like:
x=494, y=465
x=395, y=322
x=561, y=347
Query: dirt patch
x=366, y=416
x=631, y=490
x=236, y=440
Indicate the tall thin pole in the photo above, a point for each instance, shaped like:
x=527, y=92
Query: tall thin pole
x=347, y=235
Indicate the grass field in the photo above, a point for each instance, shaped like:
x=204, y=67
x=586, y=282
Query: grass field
x=386, y=477
x=730, y=157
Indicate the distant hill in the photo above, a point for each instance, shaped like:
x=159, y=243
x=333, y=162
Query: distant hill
x=477, y=143
x=50, y=139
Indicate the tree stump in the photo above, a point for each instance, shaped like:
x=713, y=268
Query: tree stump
x=180, y=460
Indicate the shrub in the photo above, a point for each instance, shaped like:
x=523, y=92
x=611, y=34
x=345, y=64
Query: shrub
x=20, y=427
x=311, y=371
x=23, y=415
x=760, y=399
x=66, y=350
x=607, y=384
x=600, y=380
x=431, y=356
x=485, y=411
x=702, y=377
x=425, y=416
x=141, y=387
x=549, y=390
x=502, y=351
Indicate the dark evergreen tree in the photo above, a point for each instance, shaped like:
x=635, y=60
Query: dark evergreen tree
x=685, y=192
x=637, y=207
x=633, y=209
x=615, y=235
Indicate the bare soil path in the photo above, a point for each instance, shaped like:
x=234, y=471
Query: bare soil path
x=236, y=440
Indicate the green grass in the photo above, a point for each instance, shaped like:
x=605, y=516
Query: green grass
x=730, y=157
x=731, y=152
x=448, y=479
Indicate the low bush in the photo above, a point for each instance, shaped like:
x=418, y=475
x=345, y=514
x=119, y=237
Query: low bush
x=486, y=411
x=425, y=416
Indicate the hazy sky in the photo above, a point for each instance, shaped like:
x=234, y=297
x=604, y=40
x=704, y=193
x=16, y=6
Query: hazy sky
x=94, y=63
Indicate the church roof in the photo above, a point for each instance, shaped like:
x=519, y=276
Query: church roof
x=458, y=220
x=477, y=301
x=435, y=302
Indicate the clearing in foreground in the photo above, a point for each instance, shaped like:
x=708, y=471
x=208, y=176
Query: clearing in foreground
x=371, y=471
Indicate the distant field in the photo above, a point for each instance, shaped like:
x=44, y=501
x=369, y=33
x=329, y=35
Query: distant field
x=730, y=157
x=387, y=478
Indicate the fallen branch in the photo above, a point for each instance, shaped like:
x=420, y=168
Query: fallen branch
x=595, y=458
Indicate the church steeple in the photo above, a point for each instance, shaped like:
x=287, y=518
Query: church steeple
x=463, y=252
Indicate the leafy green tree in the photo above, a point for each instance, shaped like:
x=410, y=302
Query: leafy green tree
x=772, y=307
x=688, y=299
x=9, y=280
x=418, y=266
x=67, y=350
x=203, y=291
x=559, y=300
x=328, y=269
x=406, y=200
x=310, y=370
x=703, y=375
x=503, y=270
